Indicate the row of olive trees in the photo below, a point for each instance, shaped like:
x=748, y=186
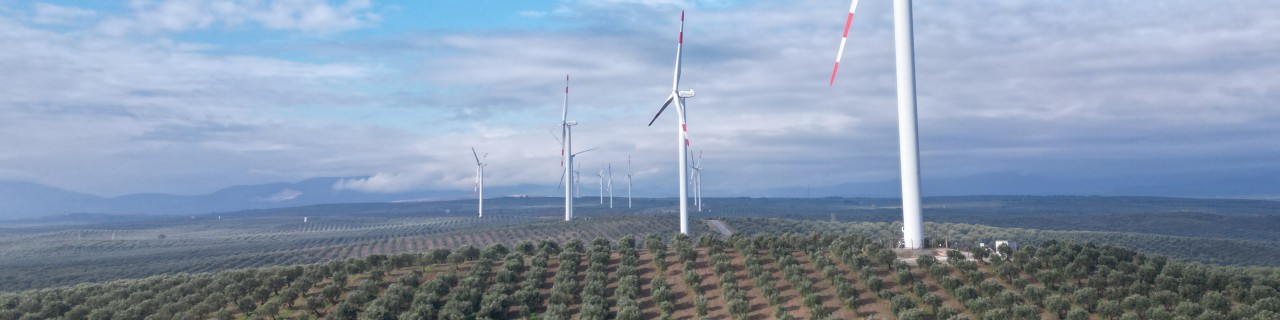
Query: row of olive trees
x=1064, y=280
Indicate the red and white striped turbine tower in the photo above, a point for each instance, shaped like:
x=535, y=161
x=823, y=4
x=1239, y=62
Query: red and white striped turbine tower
x=908, y=133
x=682, y=134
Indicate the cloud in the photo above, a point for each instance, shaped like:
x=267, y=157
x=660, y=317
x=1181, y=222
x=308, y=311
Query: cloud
x=306, y=16
x=284, y=195
x=1048, y=88
x=383, y=183
x=52, y=14
x=533, y=14
x=111, y=116
x=1016, y=85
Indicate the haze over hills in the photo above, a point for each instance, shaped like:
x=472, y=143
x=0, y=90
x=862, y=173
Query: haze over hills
x=1257, y=185
x=25, y=200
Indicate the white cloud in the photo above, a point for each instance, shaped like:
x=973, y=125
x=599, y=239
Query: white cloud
x=53, y=14
x=307, y=16
x=111, y=115
x=383, y=183
x=283, y=195
x=998, y=84
x=1026, y=86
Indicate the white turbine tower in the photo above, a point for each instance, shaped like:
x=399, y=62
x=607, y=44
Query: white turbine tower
x=600, y=175
x=682, y=135
x=610, y=186
x=697, y=181
x=628, y=181
x=479, y=180
x=908, y=140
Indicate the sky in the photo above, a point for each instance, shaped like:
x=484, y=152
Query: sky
x=189, y=96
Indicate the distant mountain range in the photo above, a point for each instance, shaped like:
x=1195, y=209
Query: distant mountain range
x=25, y=200
x=1257, y=185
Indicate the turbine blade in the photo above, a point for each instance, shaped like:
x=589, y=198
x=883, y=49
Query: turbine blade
x=564, y=120
x=583, y=151
x=564, y=112
x=561, y=142
x=561, y=181
x=553, y=136
x=679, y=52
x=564, y=136
x=664, y=107
x=843, y=39
x=473, y=153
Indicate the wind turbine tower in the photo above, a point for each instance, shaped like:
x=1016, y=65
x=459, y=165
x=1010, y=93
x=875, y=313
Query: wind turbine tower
x=479, y=181
x=610, y=186
x=908, y=132
x=577, y=180
x=682, y=135
x=697, y=181
x=600, y=175
x=628, y=181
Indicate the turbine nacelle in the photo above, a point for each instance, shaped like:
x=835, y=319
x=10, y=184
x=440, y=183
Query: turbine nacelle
x=685, y=93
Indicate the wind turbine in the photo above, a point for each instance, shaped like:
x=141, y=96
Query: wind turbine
x=697, y=181
x=479, y=180
x=610, y=186
x=908, y=139
x=566, y=150
x=600, y=175
x=628, y=181
x=682, y=137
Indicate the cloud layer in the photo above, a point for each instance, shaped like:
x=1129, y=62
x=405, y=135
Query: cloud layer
x=119, y=102
x=308, y=16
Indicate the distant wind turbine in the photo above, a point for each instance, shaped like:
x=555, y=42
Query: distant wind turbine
x=610, y=186
x=577, y=173
x=697, y=181
x=908, y=140
x=600, y=175
x=479, y=181
x=682, y=136
x=628, y=181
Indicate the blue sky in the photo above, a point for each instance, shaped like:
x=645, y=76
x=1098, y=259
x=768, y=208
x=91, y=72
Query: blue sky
x=189, y=96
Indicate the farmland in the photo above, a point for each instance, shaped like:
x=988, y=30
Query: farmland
x=59, y=252
x=791, y=276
